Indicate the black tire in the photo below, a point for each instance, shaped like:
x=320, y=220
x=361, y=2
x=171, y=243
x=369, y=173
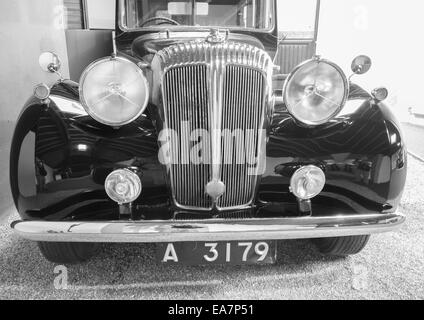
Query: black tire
x=68, y=252
x=342, y=246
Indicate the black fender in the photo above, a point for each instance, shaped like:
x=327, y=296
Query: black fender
x=60, y=158
x=362, y=153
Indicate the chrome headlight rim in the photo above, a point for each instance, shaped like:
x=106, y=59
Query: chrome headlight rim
x=346, y=84
x=90, y=111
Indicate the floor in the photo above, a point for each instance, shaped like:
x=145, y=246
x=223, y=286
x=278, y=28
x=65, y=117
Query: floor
x=414, y=134
x=6, y=129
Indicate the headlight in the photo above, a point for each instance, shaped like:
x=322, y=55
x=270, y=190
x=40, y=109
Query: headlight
x=316, y=91
x=114, y=91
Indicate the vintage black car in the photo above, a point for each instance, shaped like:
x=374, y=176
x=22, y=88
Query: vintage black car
x=211, y=134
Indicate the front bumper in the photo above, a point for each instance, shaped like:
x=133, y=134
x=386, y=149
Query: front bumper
x=208, y=230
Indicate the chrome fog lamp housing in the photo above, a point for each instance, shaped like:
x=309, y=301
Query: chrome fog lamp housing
x=307, y=182
x=123, y=186
x=316, y=91
x=114, y=91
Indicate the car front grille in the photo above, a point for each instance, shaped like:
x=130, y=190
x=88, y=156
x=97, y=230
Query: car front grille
x=186, y=101
x=243, y=109
x=207, y=87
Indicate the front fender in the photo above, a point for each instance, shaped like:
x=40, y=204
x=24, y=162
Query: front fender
x=60, y=157
x=362, y=153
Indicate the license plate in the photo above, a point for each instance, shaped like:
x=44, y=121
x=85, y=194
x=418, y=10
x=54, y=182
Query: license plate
x=204, y=253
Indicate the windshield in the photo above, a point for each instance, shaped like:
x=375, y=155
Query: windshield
x=245, y=14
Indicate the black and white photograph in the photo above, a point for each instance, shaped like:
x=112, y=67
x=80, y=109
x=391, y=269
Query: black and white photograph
x=224, y=151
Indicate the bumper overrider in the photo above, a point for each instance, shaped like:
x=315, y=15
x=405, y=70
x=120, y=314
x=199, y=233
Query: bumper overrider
x=208, y=230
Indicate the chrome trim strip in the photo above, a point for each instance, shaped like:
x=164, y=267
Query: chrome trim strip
x=217, y=69
x=208, y=230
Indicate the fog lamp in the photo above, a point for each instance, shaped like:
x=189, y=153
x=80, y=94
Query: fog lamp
x=41, y=91
x=123, y=186
x=307, y=182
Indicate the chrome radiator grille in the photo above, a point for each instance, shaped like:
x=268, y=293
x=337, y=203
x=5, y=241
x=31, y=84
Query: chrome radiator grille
x=186, y=99
x=243, y=107
x=222, y=86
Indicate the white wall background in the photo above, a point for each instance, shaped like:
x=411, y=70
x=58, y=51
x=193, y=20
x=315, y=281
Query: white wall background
x=27, y=28
x=391, y=33
x=101, y=14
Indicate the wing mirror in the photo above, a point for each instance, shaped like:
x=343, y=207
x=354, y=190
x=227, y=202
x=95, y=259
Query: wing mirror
x=361, y=64
x=49, y=62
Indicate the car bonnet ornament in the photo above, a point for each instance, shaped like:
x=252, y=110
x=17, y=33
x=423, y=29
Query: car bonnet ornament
x=216, y=36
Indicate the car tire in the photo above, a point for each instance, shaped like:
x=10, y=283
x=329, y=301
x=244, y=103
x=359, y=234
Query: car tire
x=342, y=246
x=68, y=252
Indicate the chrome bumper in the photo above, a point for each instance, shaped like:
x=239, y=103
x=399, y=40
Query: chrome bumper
x=208, y=230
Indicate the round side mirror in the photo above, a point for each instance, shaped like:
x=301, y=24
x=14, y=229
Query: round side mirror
x=361, y=64
x=49, y=62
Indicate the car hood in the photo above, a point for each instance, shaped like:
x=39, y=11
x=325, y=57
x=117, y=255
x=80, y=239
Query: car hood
x=149, y=44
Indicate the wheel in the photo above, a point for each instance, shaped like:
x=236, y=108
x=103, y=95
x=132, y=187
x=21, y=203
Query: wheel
x=68, y=252
x=342, y=246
